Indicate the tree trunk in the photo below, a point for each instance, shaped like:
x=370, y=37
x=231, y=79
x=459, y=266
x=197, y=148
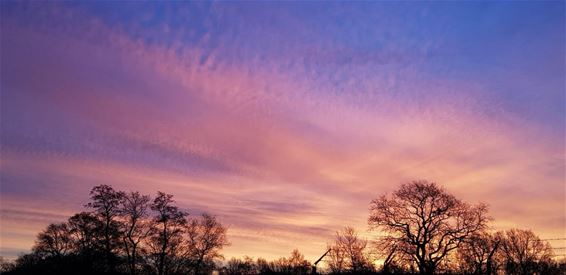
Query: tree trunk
x=489, y=267
x=108, y=252
x=197, y=267
x=161, y=268
x=133, y=263
x=426, y=268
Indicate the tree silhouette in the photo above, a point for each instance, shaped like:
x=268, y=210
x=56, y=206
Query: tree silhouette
x=297, y=263
x=478, y=254
x=427, y=230
x=394, y=260
x=205, y=238
x=294, y=265
x=134, y=212
x=349, y=253
x=85, y=229
x=106, y=202
x=125, y=232
x=426, y=222
x=524, y=252
x=54, y=241
x=167, y=232
x=242, y=266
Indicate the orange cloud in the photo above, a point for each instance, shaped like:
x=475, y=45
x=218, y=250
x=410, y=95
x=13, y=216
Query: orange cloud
x=278, y=157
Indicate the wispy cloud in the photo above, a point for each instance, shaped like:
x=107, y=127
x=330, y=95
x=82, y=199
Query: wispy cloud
x=284, y=148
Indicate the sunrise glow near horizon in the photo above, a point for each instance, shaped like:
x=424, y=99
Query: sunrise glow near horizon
x=283, y=119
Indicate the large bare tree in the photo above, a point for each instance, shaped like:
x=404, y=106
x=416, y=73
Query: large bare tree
x=426, y=222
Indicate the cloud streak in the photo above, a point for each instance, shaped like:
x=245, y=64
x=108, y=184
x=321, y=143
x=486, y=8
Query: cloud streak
x=286, y=146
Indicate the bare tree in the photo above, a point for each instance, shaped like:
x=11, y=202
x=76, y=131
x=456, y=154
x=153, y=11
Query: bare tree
x=160, y=241
x=134, y=211
x=106, y=202
x=294, y=265
x=336, y=260
x=426, y=222
x=205, y=238
x=263, y=266
x=349, y=253
x=297, y=263
x=525, y=252
x=245, y=266
x=85, y=229
x=54, y=241
x=478, y=254
x=390, y=249
x=167, y=231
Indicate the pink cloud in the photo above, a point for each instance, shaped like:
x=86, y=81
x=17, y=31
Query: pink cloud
x=279, y=158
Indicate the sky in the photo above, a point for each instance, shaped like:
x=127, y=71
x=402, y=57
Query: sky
x=283, y=119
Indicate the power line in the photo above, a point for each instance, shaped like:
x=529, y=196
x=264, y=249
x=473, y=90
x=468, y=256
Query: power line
x=554, y=239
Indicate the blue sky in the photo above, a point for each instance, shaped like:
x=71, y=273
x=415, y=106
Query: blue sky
x=283, y=118
x=511, y=49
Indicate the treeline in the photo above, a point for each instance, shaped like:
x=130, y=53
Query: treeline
x=126, y=233
x=419, y=228
x=294, y=264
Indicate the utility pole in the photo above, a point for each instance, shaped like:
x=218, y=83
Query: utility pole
x=319, y=259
